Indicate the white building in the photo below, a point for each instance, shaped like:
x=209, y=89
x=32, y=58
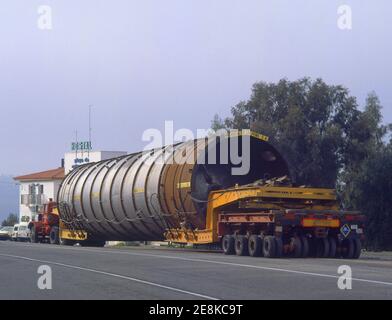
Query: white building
x=37, y=188
x=75, y=159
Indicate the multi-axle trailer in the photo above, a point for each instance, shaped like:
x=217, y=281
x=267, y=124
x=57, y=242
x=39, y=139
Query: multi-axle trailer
x=176, y=193
x=274, y=221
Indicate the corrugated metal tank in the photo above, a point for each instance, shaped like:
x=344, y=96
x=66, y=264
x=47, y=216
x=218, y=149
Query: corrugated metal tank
x=138, y=196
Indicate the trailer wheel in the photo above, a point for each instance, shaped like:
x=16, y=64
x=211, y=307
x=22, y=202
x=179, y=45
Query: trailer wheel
x=296, y=247
x=348, y=248
x=357, y=248
x=269, y=247
x=322, y=248
x=34, y=235
x=66, y=242
x=241, y=245
x=279, y=247
x=332, y=247
x=305, y=246
x=93, y=243
x=228, y=244
x=255, y=246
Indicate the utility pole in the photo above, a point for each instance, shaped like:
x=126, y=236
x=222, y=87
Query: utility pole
x=89, y=128
x=77, y=144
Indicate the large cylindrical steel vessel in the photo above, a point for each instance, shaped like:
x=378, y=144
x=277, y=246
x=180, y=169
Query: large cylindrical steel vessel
x=140, y=195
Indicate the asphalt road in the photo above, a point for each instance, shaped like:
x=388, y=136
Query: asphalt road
x=148, y=273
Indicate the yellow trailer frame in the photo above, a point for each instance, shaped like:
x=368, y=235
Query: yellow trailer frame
x=69, y=234
x=65, y=233
x=263, y=196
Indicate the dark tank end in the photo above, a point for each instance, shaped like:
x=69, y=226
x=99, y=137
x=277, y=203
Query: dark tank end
x=263, y=162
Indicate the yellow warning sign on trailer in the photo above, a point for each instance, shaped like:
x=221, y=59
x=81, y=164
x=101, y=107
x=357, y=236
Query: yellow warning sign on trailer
x=328, y=223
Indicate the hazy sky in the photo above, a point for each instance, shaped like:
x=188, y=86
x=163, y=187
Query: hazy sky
x=143, y=62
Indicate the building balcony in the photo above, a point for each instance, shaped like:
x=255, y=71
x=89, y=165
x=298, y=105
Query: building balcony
x=32, y=200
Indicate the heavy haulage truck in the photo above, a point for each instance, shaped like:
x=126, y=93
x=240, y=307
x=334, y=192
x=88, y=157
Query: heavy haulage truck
x=51, y=229
x=178, y=194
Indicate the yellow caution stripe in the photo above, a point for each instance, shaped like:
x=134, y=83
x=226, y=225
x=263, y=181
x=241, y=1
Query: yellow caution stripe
x=183, y=185
x=138, y=190
x=247, y=132
x=328, y=223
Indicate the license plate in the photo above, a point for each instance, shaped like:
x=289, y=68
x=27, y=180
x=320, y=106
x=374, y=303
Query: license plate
x=329, y=223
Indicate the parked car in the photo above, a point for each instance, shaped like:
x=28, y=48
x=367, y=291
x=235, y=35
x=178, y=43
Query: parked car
x=6, y=233
x=20, y=233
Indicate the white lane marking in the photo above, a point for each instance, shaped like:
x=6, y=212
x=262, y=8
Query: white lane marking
x=249, y=266
x=220, y=263
x=111, y=275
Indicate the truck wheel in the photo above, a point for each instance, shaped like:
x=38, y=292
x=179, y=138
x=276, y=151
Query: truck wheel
x=305, y=246
x=348, y=248
x=322, y=248
x=241, y=245
x=296, y=247
x=269, y=247
x=228, y=244
x=255, y=244
x=34, y=235
x=332, y=247
x=357, y=248
x=278, y=247
x=54, y=236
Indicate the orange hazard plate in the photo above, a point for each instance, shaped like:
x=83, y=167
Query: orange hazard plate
x=331, y=223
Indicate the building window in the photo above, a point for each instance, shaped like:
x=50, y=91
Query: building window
x=32, y=189
x=24, y=199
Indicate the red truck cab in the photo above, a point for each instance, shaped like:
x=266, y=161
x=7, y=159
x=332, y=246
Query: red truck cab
x=46, y=229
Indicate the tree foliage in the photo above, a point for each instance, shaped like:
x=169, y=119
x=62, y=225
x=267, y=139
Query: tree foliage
x=10, y=220
x=326, y=138
x=372, y=193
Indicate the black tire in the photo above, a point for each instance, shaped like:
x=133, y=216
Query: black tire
x=296, y=244
x=66, y=242
x=332, y=247
x=34, y=235
x=269, y=247
x=322, y=248
x=54, y=236
x=357, y=248
x=348, y=249
x=228, y=244
x=255, y=246
x=278, y=247
x=241, y=246
x=93, y=243
x=305, y=247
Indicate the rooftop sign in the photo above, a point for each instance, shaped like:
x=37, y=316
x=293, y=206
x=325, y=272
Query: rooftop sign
x=82, y=146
